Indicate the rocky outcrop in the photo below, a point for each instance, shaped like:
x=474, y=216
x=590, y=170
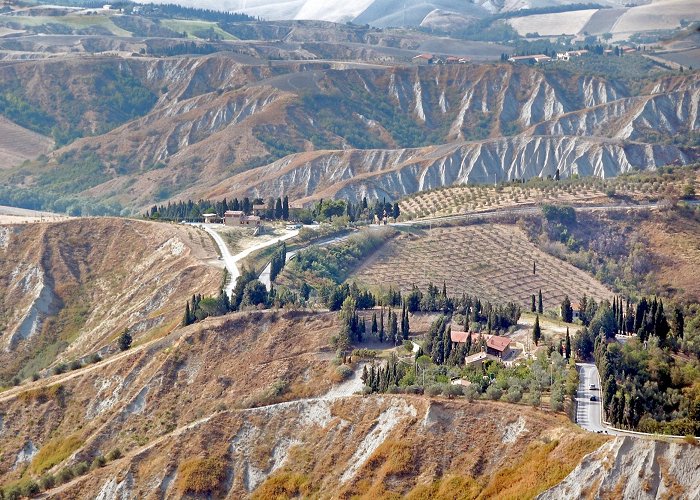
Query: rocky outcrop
x=631, y=467
x=394, y=173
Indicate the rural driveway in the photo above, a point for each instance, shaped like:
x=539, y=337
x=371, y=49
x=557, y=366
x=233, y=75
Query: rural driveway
x=231, y=261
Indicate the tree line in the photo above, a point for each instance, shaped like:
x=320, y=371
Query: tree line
x=644, y=386
x=193, y=210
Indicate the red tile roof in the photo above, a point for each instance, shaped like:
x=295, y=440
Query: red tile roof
x=460, y=337
x=498, y=343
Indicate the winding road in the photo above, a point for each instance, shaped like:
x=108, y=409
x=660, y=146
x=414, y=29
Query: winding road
x=231, y=261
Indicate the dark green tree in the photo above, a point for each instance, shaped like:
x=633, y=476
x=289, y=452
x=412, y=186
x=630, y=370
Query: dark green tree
x=540, y=308
x=405, y=327
x=278, y=209
x=186, y=319
x=678, y=322
x=567, y=345
x=124, y=340
x=567, y=312
x=533, y=306
x=381, y=325
x=536, y=330
x=285, y=208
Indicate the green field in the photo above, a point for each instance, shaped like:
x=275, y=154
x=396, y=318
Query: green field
x=192, y=26
x=73, y=22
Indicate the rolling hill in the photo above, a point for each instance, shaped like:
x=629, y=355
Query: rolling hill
x=211, y=126
x=70, y=288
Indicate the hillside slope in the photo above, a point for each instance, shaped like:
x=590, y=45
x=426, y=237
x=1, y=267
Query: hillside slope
x=18, y=144
x=216, y=391
x=221, y=128
x=68, y=289
x=243, y=406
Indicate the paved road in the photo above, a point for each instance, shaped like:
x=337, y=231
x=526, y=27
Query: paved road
x=231, y=261
x=589, y=413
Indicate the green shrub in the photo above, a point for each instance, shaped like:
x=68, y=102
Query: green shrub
x=30, y=489
x=80, y=468
x=47, y=482
x=64, y=475
x=98, y=462
x=115, y=454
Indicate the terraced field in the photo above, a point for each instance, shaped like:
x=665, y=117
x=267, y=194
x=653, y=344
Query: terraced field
x=474, y=198
x=18, y=144
x=492, y=261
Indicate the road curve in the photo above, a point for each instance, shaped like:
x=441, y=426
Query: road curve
x=231, y=261
x=265, y=275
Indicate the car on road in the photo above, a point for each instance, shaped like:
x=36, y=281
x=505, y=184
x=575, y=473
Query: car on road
x=594, y=398
x=592, y=387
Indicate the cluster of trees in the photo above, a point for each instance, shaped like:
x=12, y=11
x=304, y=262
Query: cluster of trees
x=200, y=307
x=352, y=329
x=249, y=292
x=440, y=348
x=539, y=306
x=334, y=263
x=180, y=12
x=193, y=210
x=646, y=319
x=278, y=261
x=646, y=388
x=549, y=371
x=363, y=211
x=380, y=379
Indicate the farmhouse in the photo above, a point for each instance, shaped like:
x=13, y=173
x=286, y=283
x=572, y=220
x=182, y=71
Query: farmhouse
x=576, y=311
x=479, y=358
x=460, y=337
x=565, y=56
x=239, y=218
x=535, y=58
x=498, y=346
x=423, y=59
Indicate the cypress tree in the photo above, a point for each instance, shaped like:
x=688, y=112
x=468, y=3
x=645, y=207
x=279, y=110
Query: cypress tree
x=536, y=331
x=567, y=312
x=533, y=307
x=285, y=208
x=540, y=308
x=186, y=318
x=278, y=209
x=381, y=325
x=678, y=322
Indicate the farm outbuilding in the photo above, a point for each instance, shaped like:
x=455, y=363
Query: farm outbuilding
x=239, y=218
